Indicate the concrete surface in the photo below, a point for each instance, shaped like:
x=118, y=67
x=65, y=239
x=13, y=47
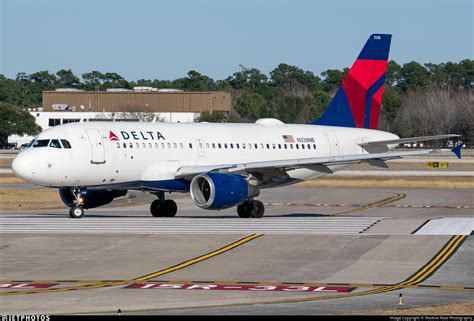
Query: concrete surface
x=384, y=253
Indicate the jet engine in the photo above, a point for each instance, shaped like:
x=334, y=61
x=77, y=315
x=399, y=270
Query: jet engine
x=90, y=198
x=214, y=191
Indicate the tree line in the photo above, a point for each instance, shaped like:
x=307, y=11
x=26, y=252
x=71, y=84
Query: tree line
x=419, y=99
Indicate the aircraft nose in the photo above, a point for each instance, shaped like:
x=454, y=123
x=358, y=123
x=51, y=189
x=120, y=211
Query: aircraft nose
x=23, y=166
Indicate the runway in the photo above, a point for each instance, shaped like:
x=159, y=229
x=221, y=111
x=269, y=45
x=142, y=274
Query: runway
x=316, y=250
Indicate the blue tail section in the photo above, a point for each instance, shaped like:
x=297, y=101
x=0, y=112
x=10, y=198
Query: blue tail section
x=457, y=150
x=358, y=100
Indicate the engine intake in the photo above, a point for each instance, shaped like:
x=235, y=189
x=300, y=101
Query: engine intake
x=216, y=191
x=92, y=198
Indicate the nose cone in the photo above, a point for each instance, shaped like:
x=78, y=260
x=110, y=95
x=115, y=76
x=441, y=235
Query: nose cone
x=23, y=166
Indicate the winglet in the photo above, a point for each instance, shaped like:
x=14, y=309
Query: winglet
x=457, y=150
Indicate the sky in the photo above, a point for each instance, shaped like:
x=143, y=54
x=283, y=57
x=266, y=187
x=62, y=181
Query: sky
x=145, y=39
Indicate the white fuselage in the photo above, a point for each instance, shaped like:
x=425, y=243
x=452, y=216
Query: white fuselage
x=108, y=154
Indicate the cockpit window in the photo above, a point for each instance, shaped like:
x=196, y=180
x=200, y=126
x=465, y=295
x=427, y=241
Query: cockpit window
x=41, y=143
x=31, y=143
x=66, y=143
x=55, y=143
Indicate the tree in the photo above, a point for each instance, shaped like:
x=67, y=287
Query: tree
x=413, y=76
x=252, y=106
x=195, y=81
x=15, y=121
x=391, y=103
x=333, y=78
x=93, y=80
x=217, y=117
x=67, y=79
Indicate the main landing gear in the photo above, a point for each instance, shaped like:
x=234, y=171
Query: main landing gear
x=76, y=211
x=162, y=207
x=251, y=208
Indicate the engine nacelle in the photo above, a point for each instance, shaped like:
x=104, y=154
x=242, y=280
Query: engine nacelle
x=91, y=198
x=214, y=191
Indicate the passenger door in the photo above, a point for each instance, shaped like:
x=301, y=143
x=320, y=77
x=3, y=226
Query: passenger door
x=333, y=143
x=200, y=148
x=97, y=146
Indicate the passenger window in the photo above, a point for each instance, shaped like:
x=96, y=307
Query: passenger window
x=243, y=146
x=162, y=145
x=156, y=145
x=291, y=146
x=262, y=146
x=150, y=144
x=268, y=146
x=297, y=146
x=309, y=146
x=250, y=146
x=124, y=145
x=143, y=145
x=41, y=143
x=231, y=145
x=168, y=145
x=279, y=146
x=131, y=145
x=256, y=146
x=175, y=145
x=285, y=146
x=118, y=145
x=55, y=143
x=273, y=145
x=66, y=143
x=314, y=146
x=219, y=145
x=302, y=146
x=137, y=145
x=181, y=145
x=207, y=145
x=237, y=145
x=190, y=145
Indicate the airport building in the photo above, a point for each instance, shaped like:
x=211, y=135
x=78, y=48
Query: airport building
x=68, y=105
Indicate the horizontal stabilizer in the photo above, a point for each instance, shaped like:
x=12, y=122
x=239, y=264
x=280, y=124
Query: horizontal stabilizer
x=406, y=140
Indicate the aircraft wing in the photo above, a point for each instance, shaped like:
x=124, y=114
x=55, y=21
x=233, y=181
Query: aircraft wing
x=406, y=140
x=314, y=163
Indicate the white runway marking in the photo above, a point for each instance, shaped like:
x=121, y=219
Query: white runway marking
x=448, y=226
x=91, y=225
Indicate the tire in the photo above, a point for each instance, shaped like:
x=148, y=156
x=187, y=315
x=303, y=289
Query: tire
x=76, y=212
x=242, y=210
x=256, y=210
x=169, y=208
x=155, y=208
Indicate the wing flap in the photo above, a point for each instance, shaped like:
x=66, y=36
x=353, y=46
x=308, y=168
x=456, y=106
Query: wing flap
x=190, y=171
x=406, y=140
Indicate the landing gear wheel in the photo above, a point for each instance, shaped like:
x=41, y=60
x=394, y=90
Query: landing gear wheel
x=256, y=209
x=242, y=210
x=155, y=208
x=76, y=212
x=168, y=208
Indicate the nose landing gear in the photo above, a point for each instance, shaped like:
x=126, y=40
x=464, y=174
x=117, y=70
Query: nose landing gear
x=162, y=207
x=251, y=208
x=76, y=211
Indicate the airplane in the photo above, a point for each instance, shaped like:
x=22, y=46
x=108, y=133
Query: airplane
x=221, y=165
